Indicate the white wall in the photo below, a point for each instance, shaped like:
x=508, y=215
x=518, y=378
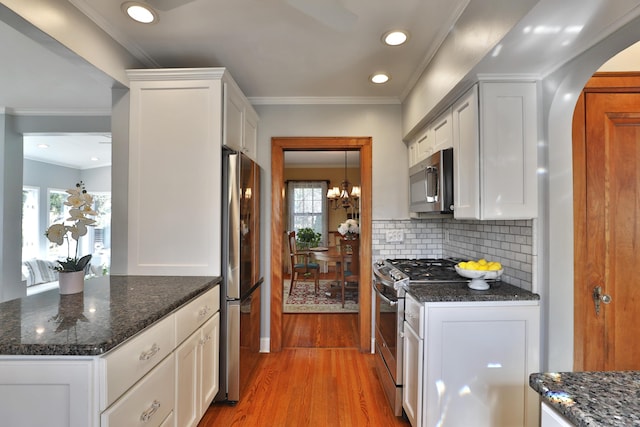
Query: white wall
x=390, y=180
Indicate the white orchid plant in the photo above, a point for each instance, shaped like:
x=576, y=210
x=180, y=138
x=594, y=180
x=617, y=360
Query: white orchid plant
x=350, y=226
x=75, y=226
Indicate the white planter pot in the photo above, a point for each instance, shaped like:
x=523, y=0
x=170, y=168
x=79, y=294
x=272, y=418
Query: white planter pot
x=71, y=282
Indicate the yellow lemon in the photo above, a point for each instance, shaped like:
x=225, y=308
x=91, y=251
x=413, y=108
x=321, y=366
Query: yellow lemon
x=482, y=261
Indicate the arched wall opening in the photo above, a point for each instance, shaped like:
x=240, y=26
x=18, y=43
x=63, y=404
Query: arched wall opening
x=560, y=91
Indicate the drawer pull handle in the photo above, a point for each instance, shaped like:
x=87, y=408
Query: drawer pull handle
x=146, y=355
x=204, y=311
x=147, y=414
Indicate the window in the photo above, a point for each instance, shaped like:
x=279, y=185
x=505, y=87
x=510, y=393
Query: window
x=308, y=206
x=58, y=212
x=30, y=230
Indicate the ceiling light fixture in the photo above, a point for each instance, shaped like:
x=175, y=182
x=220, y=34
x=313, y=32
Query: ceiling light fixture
x=140, y=12
x=379, y=78
x=395, y=37
x=43, y=146
x=340, y=198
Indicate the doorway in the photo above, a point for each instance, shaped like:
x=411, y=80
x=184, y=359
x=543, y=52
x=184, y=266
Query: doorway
x=606, y=165
x=278, y=146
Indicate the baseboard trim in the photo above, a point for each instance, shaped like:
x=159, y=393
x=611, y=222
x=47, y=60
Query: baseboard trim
x=265, y=345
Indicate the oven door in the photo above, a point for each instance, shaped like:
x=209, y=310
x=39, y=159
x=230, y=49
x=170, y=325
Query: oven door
x=389, y=318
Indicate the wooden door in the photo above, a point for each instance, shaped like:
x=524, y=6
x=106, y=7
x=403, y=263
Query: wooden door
x=607, y=229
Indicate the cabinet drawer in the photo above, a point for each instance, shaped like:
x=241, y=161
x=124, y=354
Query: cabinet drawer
x=194, y=314
x=149, y=403
x=132, y=360
x=414, y=315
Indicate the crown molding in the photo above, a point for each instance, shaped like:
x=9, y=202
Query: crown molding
x=84, y=112
x=322, y=100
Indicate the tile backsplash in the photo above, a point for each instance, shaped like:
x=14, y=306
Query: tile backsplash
x=507, y=241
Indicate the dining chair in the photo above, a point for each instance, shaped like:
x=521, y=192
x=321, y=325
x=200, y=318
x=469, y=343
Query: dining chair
x=301, y=264
x=351, y=278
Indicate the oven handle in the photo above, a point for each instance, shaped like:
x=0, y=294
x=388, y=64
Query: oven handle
x=387, y=300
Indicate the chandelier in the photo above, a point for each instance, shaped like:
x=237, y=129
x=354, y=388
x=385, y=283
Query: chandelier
x=341, y=197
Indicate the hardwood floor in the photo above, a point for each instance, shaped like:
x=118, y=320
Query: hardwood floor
x=319, y=379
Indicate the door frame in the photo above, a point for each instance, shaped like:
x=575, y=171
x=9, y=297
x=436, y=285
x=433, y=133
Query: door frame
x=278, y=146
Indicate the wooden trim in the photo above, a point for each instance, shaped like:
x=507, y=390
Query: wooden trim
x=579, y=226
x=614, y=82
x=278, y=146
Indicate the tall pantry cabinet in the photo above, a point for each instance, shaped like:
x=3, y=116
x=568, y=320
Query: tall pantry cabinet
x=178, y=122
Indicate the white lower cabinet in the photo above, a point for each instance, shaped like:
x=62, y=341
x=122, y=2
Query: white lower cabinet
x=549, y=417
x=476, y=360
x=413, y=368
x=164, y=376
x=148, y=403
x=197, y=373
x=47, y=392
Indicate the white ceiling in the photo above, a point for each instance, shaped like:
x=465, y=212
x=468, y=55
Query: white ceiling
x=77, y=151
x=291, y=49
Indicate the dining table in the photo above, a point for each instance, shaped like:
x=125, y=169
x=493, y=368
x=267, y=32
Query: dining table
x=337, y=254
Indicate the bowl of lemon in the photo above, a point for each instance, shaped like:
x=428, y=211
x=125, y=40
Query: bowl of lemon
x=479, y=271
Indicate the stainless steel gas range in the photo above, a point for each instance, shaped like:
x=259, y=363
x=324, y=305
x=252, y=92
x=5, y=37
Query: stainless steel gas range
x=390, y=277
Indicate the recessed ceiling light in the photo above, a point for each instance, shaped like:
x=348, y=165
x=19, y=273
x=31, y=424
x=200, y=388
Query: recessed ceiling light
x=94, y=159
x=43, y=146
x=395, y=37
x=379, y=78
x=140, y=12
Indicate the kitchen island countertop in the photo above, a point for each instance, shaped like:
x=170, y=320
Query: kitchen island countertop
x=460, y=292
x=586, y=399
x=109, y=311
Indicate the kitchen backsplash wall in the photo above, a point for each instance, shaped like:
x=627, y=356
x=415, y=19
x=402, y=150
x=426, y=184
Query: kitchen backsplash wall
x=510, y=242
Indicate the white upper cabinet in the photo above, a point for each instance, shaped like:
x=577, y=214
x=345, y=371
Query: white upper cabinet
x=179, y=120
x=240, y=132
x=436, y=136
x=466, y=156
x=442, y=132
x=495, y=151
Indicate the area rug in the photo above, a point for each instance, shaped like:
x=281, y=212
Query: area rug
x=304, y=300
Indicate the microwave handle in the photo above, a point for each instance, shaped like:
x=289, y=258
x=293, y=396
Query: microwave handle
x=432, y=170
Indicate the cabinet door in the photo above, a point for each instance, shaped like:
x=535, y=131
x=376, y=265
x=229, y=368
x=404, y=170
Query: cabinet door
x=466, y=156
x=210, y=374
x=425, y=145
x=174, y=146
x=478, y=364
x=233, y=118
x=508, y=150
x=250, y=136
x=47, y=393
x=413, y=150
x=412, y=375
x=549, y=417
x=443, y=132
x=187, y=407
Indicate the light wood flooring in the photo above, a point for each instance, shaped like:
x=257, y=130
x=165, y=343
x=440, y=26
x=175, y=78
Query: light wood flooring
x=319, y=379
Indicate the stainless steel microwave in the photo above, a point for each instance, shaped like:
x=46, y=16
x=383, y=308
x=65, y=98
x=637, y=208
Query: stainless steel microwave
x=431, y=183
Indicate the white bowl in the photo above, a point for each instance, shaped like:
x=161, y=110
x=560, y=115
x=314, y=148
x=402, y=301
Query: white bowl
x=478, y=277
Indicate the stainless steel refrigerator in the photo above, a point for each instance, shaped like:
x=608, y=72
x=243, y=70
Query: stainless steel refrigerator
x=240, y=324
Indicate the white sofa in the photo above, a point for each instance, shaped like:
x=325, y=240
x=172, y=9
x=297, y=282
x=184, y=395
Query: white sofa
x=38, y=275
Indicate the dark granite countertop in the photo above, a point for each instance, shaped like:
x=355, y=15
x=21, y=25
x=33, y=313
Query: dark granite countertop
x=460, y=292
x=110, y=310
x=603, y=399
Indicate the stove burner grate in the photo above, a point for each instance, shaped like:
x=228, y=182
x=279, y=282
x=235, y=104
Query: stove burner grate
x=428, y=269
